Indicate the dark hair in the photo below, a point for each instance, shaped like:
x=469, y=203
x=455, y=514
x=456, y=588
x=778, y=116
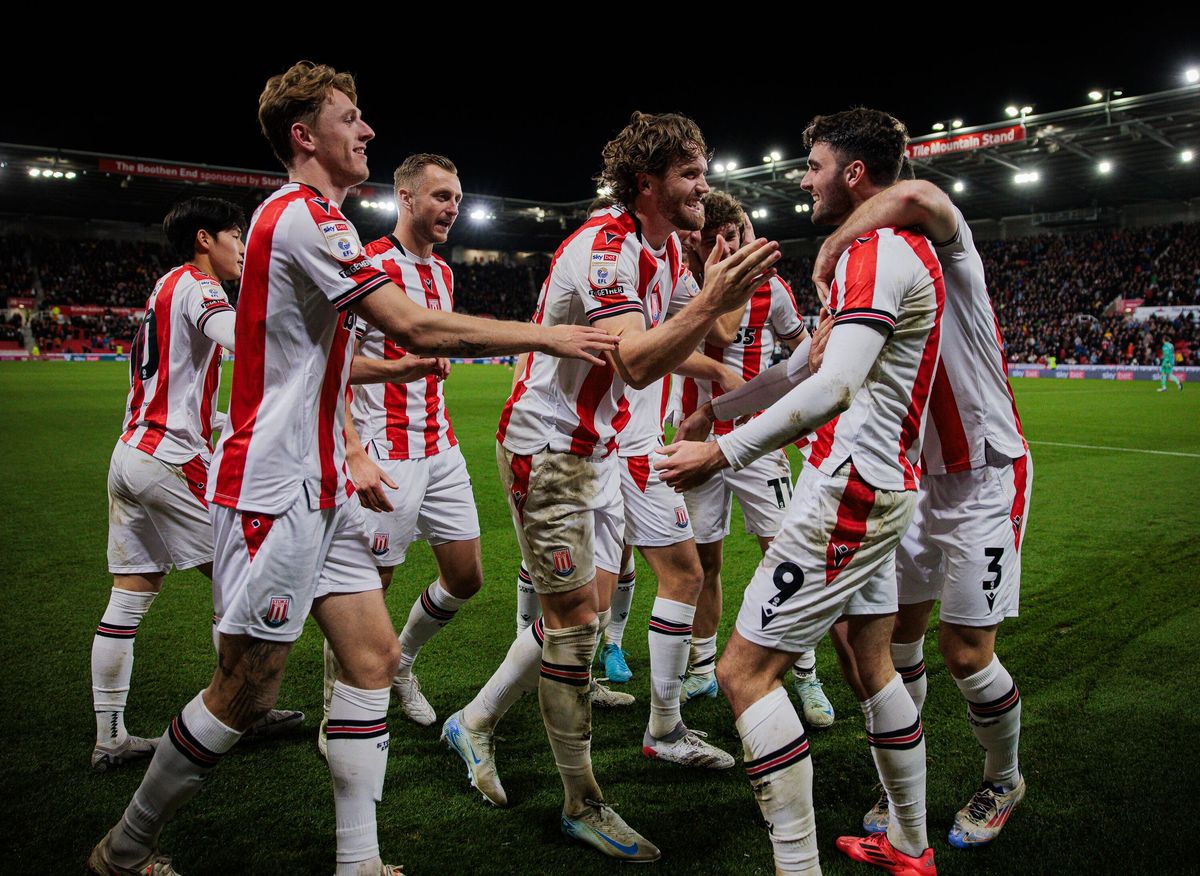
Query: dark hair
x=722, y=208
x=600, y=202
x=213, y=215
x=412, y=169
x=860, y=134
x=648, y=144
x=297, y=95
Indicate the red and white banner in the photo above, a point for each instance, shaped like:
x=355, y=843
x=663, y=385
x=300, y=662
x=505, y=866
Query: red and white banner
x=96, y=310
x=20, y=302
x=191, y=173
x=966, y=142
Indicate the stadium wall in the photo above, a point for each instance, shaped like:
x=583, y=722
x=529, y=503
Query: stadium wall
x=1100, y=372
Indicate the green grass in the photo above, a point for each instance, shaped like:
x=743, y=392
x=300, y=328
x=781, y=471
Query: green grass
x=1105, y=653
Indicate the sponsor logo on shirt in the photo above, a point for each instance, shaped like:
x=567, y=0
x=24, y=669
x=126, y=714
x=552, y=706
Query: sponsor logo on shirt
x=342, y=240
x=351, y=270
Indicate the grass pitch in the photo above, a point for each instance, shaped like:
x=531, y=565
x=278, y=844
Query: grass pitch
x=1104, y=652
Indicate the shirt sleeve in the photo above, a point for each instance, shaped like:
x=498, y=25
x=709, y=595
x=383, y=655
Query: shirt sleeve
x=686, y=288
x=960, y=245
x=610, y=287
x=325, y=246
x=785, y=315
x=869, y=282
x=202, y=298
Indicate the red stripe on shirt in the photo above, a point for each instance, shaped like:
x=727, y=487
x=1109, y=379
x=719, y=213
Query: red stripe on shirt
x=823, y=443
x=333, y=394
x=155, y=418
x=208, y=399
x=593, y=390
x=195, y=473
x=861, y=265
x=910, y=428
x=943, y=409
x=850, y=528
x=250, y=334
x=395, y=407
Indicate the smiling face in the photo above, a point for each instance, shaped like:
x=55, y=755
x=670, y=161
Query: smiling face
x=340, y=136
x=433, y=207
x=826, y=181
x=226, y=253
x=677, y=194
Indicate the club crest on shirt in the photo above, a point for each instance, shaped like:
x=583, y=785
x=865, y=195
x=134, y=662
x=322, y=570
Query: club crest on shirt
x=277, y=611
x=563, y=564
x=341, y=240
x=379, y=544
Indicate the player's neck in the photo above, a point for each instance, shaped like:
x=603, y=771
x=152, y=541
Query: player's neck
x=310, y=172
x=655, y=227
x=203, y=263
x=405, y=233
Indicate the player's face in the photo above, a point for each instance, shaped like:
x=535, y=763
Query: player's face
x=227, y=254
x=708, y=239
x=341, y=137
x=435, y=204
x=824, y=180
x=678, y=193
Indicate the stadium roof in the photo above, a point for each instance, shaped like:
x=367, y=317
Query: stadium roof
x=1145, y=139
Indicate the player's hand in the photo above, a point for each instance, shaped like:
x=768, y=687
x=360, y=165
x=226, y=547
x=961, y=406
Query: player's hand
x=731, y=279
x=697, y=426
x=443, y=368
x=689, y=464
x=816, y=353
x=578, y=342
x=823, y=267
x=410, y=367
x=747, y=230
x=730, y=379
x=369, y=479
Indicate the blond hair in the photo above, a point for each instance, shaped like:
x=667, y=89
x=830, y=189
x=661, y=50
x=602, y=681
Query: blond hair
x=297, y=95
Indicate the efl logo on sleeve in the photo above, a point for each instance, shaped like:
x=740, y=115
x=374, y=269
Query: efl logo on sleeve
x=341, y=240
x=603, y=272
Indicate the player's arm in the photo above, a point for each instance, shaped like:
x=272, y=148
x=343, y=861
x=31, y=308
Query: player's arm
x=442, y=333
x=644, y=356
x=750, y=397
x=701, y=367
x=909, y=203
x=219, y=328
x=366, y=369
x=368, y=478
x=849, y=356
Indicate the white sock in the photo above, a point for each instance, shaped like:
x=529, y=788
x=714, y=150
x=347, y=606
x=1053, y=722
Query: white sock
x=622, y=600
x=670, y=640
x=191, y=747
x=112, y=662
x=898, y=747
x=528, y=607
x=702, y=660
x=909, y=660
x=994, y=713
x=805, y=663
x=776, y=758
x=516, y=676
x=358, y=742
x=431, y=611
x=566, y=703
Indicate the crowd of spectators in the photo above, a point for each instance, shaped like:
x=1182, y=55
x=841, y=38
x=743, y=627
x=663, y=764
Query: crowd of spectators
x=55, y=332
x=1050, y=292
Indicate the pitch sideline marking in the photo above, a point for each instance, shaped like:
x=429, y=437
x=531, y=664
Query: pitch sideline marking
x=1121, y=449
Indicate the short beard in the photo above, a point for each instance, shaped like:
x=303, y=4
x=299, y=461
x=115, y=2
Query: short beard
x=685, y=221
x=833, y=208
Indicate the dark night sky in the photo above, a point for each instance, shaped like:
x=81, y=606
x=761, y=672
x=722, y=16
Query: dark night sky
x=522, y=121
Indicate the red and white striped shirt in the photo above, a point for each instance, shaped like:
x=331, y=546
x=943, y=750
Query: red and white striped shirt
x=889, y=279
x=770, y=314
x=604, y=269
x=175, y=369
x=971, y=405
x=304, y=266
x=404, y=420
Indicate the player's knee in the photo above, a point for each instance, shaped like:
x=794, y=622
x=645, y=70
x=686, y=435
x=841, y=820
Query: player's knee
x=388, y=658
x=465, y=583
x=966, y=650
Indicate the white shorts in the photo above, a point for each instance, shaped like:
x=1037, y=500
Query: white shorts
x=835, y=555
x=269, y=569
x=433, y=503
x=964, y=544
x=655, y=515
x=568, y=515
x=157, y=515
x=763, y=489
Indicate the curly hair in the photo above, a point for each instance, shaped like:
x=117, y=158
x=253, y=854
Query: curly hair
x=297, y=95
x=721, y=209
x=650, y=143
x=860, y=134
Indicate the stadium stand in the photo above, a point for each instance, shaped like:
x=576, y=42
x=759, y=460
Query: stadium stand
x=1051, y=291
